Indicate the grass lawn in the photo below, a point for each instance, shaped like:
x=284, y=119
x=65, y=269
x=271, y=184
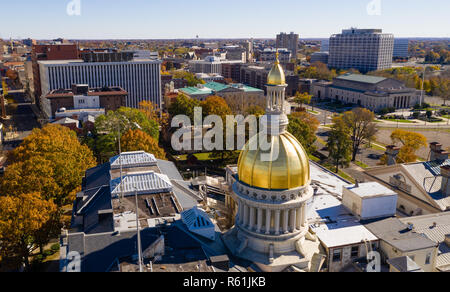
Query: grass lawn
x=361, y=164
x=200, y=156
x=400, y=121
x=313, y=112
x=321, y=141
x=376, y=147
x=346, y=176
x=313, y=158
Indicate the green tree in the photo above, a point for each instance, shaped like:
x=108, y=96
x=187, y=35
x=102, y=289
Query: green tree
x=304, y=127
x=126, y=119
x=360, y=121
x=184, y=105
x=255, y=110
x=302, y=98
x=339, y=143
x=188, y=76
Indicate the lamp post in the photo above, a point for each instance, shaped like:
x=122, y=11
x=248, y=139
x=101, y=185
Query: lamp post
x=139, y=247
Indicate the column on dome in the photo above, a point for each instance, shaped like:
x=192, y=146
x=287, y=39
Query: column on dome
x=286, y=221
x=293, y=220
x=304, y=222
x=299, y=218
x=280, y=100
x=246, y=215
x=268, y=220
x=259, y=220
x=241, y=213
x=252, y=218
x=277, y=222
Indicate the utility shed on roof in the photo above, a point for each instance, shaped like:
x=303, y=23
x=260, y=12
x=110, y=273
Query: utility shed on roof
x=370, y=200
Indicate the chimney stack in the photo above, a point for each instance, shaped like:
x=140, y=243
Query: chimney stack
x=437, y=154
x=392, y=152
x=445, y=188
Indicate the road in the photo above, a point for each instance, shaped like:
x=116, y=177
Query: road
x=23, y=119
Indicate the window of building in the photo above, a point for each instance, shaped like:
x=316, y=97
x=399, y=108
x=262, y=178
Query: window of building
x=337, y=255
x=355, y=251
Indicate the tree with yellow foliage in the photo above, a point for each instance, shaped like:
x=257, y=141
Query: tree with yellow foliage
x=22, y=218
x=137, y=140
x=411, y=142
x=50, y=161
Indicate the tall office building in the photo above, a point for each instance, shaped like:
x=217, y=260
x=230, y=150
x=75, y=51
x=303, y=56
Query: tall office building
x=141, y=79
x=288, y=41
x=401, y=48
x=325, y=45
x=363, y=49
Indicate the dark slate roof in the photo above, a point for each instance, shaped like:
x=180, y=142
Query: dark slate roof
x=398, y=235
x=405, y=265
x=95, y=197
x=100, y=251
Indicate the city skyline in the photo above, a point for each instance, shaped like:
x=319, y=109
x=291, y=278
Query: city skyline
x=98, y=19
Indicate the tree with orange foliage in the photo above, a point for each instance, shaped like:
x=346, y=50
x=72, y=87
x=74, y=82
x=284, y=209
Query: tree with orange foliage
x=22, y=218
x=137, y=140
x=216, y=105
x=152, y=112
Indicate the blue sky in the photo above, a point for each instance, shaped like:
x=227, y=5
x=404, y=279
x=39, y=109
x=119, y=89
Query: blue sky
x=104, y=19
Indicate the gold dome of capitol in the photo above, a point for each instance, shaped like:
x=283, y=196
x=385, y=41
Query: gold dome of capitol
x=276, y=75
x=289, y=167
x=290, y=170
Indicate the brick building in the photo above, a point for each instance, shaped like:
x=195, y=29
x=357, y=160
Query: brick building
x=50, y=52
x=82, y=97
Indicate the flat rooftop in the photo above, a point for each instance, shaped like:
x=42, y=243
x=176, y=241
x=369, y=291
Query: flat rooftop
x=334, y=224
x=361, y=78
x=371, y=189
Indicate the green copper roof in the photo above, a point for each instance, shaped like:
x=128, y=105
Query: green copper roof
x=216, y=86
x=196, y=91
x=361, y=78
x=211, y=87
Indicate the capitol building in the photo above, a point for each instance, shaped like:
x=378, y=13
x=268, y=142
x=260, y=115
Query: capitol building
x=272, y=189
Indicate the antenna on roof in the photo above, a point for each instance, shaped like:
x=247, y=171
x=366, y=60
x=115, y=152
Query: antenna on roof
x=120, y=161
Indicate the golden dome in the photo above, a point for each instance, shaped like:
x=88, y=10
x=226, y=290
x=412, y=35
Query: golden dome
x=289, y=171
x=276, y=75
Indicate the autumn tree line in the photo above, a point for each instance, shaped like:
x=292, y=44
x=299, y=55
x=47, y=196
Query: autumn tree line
x=354, y=129
x=45, y=173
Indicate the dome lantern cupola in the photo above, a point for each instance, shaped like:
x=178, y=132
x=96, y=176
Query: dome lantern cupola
x=276, y=75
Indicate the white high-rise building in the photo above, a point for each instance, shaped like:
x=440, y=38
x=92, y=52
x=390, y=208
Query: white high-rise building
x=362, y=49
x=141, y=79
